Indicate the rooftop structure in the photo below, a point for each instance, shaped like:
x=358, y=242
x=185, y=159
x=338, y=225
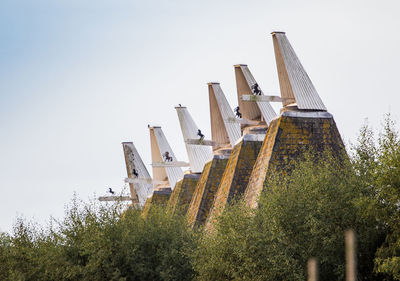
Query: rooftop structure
x=247, y=85
x=225, y=129
x=258, y=116
x=225, y=132
x=197, y=151
x=166, y=168
x=296, y=87
x=140, y=182
x=303, y=124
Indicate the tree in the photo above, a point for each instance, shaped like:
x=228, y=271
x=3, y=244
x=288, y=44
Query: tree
x=95, y=242
x=299, y=217
x=386, y=186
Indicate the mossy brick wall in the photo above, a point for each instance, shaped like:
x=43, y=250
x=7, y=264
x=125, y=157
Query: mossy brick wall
x=287, y=138
x=236, y=176
x=173, y=199
x=206, y=188
x=182, y=194
x=159, y=197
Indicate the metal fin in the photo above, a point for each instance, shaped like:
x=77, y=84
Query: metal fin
x=198, y=154
x=293, y=79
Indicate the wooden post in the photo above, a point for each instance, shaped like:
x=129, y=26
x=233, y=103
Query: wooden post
x=312, y=269
x=351, y=261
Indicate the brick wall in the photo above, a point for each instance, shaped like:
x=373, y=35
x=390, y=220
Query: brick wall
x=182, y=194
x=287, y=138
x=236, y=176
x=206, y=188
x=159, y=197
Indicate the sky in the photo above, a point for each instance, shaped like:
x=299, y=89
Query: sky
x=77, y=78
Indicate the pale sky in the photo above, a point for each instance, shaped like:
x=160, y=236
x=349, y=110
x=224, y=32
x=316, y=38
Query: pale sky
x=77, y=78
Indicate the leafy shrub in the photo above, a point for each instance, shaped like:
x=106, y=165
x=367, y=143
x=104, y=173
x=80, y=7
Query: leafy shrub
x=99, y=243
x=298, y=218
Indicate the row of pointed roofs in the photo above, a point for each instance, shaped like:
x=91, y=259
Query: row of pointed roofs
x=296, y=91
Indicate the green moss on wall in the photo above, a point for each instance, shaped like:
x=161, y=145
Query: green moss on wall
x=159, y=197
x=287, y=138
x=182, y=194
x=206, y=188
x=236, y=176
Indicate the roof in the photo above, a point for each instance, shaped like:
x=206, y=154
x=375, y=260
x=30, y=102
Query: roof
x=293, y=79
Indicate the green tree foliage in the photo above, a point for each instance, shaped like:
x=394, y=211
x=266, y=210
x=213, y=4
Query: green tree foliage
x=298, y=218
x=306, y=214
x=385, y=184
x=99, y=243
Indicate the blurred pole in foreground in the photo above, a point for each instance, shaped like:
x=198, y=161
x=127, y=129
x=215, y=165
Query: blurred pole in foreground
x=351, y=262
x=312, y=269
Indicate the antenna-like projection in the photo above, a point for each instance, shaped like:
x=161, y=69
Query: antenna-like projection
x=225, y=130
x=247, y=86
x=140, y=182
x=165, y=165
x=296, y=86
x=198, y=153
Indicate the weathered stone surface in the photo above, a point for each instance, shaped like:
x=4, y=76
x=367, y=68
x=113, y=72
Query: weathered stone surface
x=287, y=138
x=160, y=197
x=236, y=175
x=182, y=194
x=206, y=188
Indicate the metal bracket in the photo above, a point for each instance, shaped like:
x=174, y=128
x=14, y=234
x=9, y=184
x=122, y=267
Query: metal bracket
x=201, y=142
x=144, y=180
x=170, y=164
x=241, y=121
x=264, y=98
x=116, y=198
